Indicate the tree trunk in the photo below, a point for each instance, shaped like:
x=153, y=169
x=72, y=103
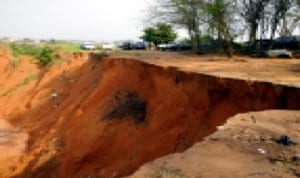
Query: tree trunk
x=194, y=44
x=229, y=44
x=229, y=48
x=195, y=38
x=195, y=29
x=253, y=32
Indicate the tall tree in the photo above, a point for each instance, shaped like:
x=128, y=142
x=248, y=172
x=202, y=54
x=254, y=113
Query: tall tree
x=182, y=13
x=253, y=12
x=161, y=33
x=279, y=13
x=221, y=15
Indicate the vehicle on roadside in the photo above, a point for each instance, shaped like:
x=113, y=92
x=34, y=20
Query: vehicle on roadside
x=289, y=42
x=279, y=53
x=162, y=47
x=140, y=45
x=175, y=46
x=108, y=46
x=129, y=45
x=87, y=46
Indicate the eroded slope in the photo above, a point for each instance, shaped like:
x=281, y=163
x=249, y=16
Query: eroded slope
x=105, y=118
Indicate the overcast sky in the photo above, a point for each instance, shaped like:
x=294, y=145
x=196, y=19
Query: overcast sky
x=100, y=20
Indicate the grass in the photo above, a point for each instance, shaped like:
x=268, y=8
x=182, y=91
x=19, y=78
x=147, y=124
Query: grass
x=42, y=52
x=24, y=50
x=66, y=47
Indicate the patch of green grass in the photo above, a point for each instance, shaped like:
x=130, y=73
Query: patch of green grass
x=24, y=50
x=43, y=53
x=66, y=47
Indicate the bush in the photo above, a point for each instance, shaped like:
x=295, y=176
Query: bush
x=45, y=56
x=24, y=50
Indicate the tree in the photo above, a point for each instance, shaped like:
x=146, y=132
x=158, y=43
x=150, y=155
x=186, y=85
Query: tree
x=161, y=33
x=280, y=8
x=253, y=12
x=221, y=16
x=182, y=13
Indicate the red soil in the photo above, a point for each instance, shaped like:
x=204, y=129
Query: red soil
x=70, y=137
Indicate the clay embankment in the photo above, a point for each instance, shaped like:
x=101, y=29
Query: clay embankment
x=106, y=118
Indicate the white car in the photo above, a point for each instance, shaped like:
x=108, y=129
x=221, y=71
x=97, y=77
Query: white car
x=281, y=53
x=108, y=46
x=87, y=46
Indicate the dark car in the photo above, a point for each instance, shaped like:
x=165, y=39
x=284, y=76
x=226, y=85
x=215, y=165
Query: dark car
x=140, y=45
x=174, y=47
x=127, y=46
x=289, y=42
x=133, y=45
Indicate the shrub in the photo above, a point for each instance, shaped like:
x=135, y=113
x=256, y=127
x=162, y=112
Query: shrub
x=24, y=50
x=45, y=56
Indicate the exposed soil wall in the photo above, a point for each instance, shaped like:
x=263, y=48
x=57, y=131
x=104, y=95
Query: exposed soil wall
x=111, y=116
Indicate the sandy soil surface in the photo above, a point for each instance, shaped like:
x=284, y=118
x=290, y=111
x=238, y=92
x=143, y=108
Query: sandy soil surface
x=283, y=71
x=244, y=147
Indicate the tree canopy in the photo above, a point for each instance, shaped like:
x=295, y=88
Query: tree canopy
x=160, y=33
x=228, y=19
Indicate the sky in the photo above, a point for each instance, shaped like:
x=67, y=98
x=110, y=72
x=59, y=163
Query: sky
x=97, y=20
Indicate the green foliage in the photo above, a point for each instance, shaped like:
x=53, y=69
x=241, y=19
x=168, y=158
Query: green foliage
x=206, y=38
x=161, y=33
x=43, y=54
x=221, y=15
x=186, y=41
x=65, y=46
x=24, y=50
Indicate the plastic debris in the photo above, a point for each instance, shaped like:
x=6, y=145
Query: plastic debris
x=54, y=95
x=285, y=141
x=262, y=151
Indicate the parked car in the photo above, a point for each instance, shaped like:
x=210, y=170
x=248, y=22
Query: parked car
x=140, y=45
x=128, y=45
x=134, y=45
x=108, y=46
x=87, y=46
x=289, y=42
x=273, y=53
x=175, y=46
x=280, y=53
x=162, y=47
